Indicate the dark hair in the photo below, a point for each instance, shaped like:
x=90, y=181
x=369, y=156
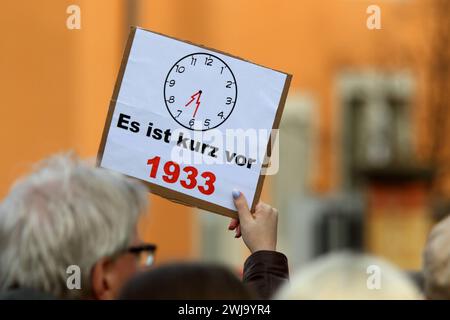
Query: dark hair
x=186, y=281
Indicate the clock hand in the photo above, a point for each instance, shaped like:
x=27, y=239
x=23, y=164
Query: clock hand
x=197, y=102
x=196, y=95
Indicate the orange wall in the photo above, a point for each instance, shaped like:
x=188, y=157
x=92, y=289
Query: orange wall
x=35, y=89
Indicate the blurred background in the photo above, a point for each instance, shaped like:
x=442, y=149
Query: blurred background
x=364, y=160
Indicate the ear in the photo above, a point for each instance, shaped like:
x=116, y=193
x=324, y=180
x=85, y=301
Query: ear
x=102, y=280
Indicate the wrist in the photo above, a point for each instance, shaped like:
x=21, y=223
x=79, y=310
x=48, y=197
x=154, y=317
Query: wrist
x=263, y=247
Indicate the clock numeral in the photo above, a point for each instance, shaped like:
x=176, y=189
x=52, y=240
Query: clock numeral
x=179, y=69
x=179, y=112
x=207, y=122
x=220, y=114
x=171, y=83
x=229, y=83
x=191, y=122
x=208, y=61
x=221, y=70
x=171, y=99
x=193, y=61
x=229, y=100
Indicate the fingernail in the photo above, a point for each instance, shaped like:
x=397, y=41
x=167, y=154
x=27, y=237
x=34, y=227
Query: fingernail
x=236, y=193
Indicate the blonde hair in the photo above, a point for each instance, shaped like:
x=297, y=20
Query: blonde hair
x=436, y=266
x=347, y=275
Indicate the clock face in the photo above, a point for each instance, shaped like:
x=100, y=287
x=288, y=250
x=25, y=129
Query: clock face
x=200, y=91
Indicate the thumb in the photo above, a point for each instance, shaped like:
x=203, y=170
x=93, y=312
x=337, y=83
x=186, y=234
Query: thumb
x=241, y=205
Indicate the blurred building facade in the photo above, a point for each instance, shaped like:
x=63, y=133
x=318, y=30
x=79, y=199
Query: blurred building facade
x=365, y=125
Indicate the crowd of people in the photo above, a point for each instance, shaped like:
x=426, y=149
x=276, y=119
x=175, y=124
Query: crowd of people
x=69, y=213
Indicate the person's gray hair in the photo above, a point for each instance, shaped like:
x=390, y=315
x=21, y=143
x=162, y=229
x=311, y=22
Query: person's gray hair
x=348, y=275
x=65, y=213
x=436, y=262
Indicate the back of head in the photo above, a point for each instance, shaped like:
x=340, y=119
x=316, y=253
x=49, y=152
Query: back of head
x=182, y=281
x=65, y=213
x=436, y=267
x=351, y=276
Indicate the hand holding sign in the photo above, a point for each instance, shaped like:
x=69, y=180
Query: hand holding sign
x=259, y=230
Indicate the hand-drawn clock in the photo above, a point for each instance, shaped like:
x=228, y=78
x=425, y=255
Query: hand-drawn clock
x=200, y=91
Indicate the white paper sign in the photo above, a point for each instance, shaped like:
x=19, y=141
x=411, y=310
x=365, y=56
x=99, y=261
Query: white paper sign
x=192, y=122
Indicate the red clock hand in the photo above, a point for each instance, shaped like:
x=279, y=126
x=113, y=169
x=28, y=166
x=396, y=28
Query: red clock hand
x=197, y=102
x=196, y=95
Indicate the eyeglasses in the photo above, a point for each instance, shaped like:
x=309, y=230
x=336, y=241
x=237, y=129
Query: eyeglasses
x=145, y=253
